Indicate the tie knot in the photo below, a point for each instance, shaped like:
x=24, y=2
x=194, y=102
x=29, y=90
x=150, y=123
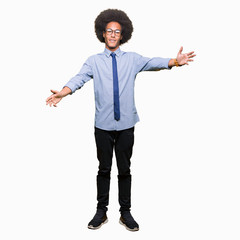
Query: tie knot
x=113, y=54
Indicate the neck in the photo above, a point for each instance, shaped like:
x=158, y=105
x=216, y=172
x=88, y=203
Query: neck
x=112, y=49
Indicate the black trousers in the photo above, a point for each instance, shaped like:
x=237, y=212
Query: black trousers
x=122, y=142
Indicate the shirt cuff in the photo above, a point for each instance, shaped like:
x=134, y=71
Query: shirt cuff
x=167, y=61
x=71, y=86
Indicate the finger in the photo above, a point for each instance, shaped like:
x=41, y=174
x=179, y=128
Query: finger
x=55, y=103
x=48, y=99
x=54, y=91
x=180, y=50
x=190, y=53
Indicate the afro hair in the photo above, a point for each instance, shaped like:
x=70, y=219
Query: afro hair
x=113, y=15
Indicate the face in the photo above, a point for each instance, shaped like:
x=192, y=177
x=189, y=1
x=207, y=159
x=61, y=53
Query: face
x=112, y=39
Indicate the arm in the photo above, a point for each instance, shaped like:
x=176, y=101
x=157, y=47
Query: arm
x=157, y=63
x=57, y=96
x=74, y=84
x=182, y=59
x=151, y=64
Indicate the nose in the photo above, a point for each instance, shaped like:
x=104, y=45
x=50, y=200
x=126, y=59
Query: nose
x=113, y=34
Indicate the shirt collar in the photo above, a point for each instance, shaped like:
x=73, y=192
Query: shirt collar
x=108, y=52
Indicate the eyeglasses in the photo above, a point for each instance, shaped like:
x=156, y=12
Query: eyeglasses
x=109, y=31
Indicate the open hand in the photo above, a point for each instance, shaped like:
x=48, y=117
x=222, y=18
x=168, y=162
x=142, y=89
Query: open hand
x=54, y=99
x=184, y=58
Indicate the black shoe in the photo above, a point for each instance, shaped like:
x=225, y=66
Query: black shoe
x=128, y=221
x=98, y=220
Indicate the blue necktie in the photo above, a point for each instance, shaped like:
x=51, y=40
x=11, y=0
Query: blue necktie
x=115, y=88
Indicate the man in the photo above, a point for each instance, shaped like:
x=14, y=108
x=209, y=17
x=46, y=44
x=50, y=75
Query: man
x=114, y=73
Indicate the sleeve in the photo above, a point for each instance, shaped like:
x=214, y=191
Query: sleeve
x=81, y=78
x=151, y=64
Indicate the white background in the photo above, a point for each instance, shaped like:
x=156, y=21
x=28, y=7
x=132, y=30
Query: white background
x=185, y=164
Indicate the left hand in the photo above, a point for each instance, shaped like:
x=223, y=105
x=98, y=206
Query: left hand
x=184, y=58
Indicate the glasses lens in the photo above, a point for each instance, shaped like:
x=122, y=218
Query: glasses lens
x=117, y=32
x=110, y=31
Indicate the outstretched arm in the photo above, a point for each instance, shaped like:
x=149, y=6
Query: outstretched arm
x=182, y=58
x=57, y=96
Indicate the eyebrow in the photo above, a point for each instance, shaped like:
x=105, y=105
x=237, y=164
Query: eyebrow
x=114, y=29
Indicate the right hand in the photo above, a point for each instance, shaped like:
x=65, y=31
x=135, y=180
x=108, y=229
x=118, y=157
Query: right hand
x=54, y=99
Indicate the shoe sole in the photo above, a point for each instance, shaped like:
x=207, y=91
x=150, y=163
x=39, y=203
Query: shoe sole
x=129, y=229
x=95, y=228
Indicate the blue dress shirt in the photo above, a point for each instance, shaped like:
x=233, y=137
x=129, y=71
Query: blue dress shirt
x=99, y=67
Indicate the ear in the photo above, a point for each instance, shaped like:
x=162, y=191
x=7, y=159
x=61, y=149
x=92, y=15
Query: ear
x=104, y=34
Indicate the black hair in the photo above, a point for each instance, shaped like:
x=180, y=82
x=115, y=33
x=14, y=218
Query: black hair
x=113, y=15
